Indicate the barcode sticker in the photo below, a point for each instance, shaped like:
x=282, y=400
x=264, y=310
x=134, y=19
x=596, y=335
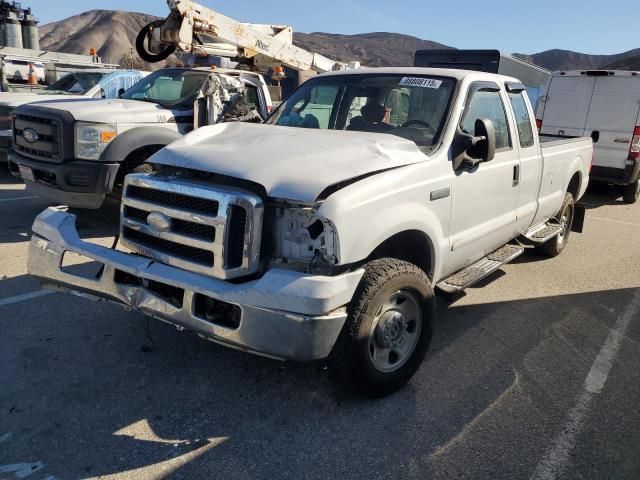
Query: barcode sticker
x=420, y=82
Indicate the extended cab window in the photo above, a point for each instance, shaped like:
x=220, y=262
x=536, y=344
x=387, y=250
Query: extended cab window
x=487, y=104
x=523, y=120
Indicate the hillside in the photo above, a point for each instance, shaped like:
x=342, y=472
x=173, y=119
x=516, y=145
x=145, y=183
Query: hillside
x=113, y=34
x=568, y=60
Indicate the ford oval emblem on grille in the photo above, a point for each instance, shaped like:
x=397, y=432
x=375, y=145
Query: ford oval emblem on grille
x=159, y=222
x=30, y=135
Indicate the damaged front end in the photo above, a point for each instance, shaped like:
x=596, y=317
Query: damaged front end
x=284, y=314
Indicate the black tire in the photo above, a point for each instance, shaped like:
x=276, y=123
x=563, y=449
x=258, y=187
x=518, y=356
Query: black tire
x=556, y=245
x=141, y=45
x=351, y=358
x=631, y=192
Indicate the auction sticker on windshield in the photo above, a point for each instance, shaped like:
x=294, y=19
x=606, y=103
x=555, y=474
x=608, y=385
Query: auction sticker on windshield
x=420, y=82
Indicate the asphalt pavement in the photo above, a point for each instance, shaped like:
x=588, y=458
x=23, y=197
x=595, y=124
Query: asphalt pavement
x=532, y=375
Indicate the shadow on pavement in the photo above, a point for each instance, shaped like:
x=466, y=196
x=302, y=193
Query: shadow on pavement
x=601, y=194
x=80, y=396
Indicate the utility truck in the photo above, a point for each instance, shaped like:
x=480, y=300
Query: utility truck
x=77, y=153
x=324, y=233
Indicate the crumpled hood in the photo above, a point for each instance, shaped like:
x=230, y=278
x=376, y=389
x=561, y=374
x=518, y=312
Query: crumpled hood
x=107, y=111
x=291, y=163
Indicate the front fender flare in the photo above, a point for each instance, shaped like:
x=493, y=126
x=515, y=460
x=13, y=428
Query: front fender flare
x=136, y=138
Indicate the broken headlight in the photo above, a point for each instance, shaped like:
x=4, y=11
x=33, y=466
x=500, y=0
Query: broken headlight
x=304, y=240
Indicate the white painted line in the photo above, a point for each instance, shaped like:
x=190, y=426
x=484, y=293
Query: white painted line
x=16, y=199
x=614, y=221
x=557, y=457
x=25, y=297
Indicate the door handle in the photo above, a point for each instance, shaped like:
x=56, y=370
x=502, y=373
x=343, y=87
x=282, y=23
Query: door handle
x=516, y=175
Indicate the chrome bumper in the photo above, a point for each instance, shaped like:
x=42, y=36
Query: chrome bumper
x=285, y=315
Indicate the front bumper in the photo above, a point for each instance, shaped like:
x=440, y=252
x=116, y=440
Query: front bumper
x=77, y=183
x=285, y=315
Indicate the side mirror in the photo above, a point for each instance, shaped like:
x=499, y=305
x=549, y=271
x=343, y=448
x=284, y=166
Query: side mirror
x=121, y=92
x=103, y=94
x=470, y=150
x=486, y=148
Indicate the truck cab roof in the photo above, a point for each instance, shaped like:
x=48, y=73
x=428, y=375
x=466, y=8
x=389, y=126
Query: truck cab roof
x=441, y=72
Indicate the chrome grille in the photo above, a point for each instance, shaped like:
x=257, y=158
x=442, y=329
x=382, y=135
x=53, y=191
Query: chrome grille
x=210, y=229
x=47, y=146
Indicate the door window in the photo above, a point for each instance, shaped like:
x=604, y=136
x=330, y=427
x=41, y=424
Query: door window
x=487, y=104
x=523, y=120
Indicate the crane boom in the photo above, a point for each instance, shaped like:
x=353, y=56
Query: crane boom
x=265, y=45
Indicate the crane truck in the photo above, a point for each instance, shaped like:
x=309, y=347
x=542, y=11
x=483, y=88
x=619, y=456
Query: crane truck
x=77, y=153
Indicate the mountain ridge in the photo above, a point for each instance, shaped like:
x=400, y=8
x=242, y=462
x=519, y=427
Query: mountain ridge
x=113, y=33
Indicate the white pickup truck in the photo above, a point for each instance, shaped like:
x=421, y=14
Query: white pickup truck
x=324, y=232
x=94, y=83
x=78, y=152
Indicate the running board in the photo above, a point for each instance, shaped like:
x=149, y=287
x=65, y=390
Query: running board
x=481, y=269
x=543, y=232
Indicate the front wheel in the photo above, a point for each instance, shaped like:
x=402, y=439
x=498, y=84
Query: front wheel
x=388, y=331
x=631, y=192
x=556, y=245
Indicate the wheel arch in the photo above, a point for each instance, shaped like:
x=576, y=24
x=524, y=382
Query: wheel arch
x=413, y=246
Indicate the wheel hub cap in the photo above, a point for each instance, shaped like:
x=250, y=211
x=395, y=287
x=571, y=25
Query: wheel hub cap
x=392, y=329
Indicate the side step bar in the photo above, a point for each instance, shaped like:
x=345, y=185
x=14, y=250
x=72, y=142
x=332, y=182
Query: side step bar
x=543, y=232
x=481, y=269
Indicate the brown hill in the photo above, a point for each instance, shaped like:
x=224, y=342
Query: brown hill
x=112, y=32
x=568, y=60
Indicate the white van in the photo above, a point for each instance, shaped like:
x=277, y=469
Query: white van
x=605, y=105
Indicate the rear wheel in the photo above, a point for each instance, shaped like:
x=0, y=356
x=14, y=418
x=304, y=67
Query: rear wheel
x=556, y=245
x=388, y=331
x=631, y=192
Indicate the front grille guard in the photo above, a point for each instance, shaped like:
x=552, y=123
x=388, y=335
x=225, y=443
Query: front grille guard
x=224, y=245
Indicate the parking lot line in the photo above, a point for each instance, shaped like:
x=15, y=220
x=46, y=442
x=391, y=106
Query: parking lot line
x=16, y=199
x=557, y=457
x=615, y=221
x=25, y=297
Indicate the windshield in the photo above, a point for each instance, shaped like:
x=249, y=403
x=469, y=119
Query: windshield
x=76, y=83
x=169, y=88
x=412, y=107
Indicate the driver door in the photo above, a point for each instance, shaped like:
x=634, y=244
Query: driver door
x=485, y=198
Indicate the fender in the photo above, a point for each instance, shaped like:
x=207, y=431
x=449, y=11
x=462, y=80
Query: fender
x=365, y=218
x=131, y=140
x=577, y=166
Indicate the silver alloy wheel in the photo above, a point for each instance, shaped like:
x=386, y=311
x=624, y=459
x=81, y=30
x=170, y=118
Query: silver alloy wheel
x=566, y=218
x=395, y=331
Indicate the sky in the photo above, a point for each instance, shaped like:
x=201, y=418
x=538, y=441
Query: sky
x=508, y=26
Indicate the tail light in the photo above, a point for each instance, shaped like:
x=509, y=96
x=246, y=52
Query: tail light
x=539, y=124
x=634, y=151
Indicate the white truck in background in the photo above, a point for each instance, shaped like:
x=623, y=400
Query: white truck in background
x=322, y=235
x=98, y=83
x=78, y=152
x=605, y=105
